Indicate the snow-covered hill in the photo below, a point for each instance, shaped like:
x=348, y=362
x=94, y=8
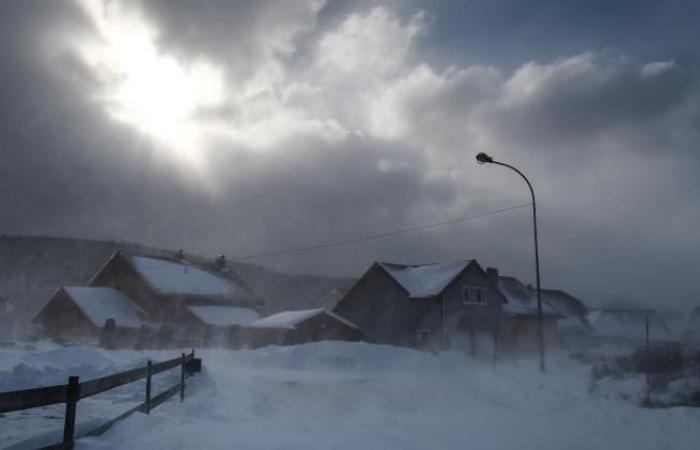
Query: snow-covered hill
x=334, y=395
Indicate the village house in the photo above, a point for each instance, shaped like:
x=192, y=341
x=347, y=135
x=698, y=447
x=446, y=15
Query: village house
x=520, y=317
x=628, y=326
x=574, y=328
x=298, y=327
x=187, y=300
x=451, y=305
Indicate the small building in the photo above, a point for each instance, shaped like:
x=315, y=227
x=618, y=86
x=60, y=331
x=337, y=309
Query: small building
x=521, y=319
x=628, y=326
x=187, y=302
x=80, y=313
x=298, y=327
x=574, y=328
x=451, y=305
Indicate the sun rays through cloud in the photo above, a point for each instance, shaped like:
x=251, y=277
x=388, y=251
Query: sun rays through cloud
x=156, y=93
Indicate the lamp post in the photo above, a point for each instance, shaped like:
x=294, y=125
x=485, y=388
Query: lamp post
x=483, y=158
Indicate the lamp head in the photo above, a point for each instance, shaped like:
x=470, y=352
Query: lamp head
x=483, y=158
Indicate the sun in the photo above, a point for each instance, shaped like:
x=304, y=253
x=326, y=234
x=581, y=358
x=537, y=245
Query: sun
x=152, y=91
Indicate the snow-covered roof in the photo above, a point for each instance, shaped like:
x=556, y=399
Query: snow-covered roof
x=425, y=280
x=629, y=323
x=569, y=307
x=183, y=278
x=520, y=299
x=102, y=303
x=225, y=315
x=290, y=319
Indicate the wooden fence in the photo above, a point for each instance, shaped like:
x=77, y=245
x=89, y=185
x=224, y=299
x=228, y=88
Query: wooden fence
x=74, y=390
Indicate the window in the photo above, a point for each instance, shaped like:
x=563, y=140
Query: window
x=474, y=296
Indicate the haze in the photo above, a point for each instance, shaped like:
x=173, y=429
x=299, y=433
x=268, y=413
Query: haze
x=249, y=127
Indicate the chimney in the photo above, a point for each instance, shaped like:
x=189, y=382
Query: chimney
x=492, y=274
x=179, y=255
x=220, y=262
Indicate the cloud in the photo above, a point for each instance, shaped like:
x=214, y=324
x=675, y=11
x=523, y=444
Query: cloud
x=334, y=122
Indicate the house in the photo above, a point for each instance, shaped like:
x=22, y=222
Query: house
x=80, y=313
x=628, y=325
x=574, y=328
x=297, y=327
x=187, y=301
x=452, y=305
x=174, y=290
x=521, y=320
x=574, y=313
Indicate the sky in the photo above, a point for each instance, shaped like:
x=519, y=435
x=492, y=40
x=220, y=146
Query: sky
x=247, y=127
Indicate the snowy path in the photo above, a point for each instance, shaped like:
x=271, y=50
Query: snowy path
x=350, y=396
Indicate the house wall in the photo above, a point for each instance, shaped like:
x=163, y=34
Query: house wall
x=61, y=319
x=383, y=310
x=520, y=334
x=323, y=328
x=118, y=273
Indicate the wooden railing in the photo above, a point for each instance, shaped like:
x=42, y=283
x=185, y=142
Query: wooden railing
x=74, y=390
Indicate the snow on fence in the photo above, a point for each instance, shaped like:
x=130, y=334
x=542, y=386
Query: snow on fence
x=74, y=390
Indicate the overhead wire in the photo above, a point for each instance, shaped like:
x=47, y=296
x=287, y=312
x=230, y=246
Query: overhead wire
x=412, y=229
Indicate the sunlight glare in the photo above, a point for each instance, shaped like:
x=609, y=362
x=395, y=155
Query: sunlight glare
x=144, y=88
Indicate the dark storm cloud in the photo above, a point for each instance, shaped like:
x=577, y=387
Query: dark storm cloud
x=356, y=139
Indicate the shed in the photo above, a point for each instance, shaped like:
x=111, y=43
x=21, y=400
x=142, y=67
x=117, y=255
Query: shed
x=297, y=327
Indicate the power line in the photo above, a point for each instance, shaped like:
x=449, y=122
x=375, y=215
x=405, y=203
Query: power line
x=321, y=245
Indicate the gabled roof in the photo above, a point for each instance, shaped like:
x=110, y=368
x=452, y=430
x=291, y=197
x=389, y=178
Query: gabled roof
x=223, y=316
x=629, y=323
x=426, y=280
x=183, y=278
x=521, y=300
x=102, y=303
x=570, y=307
x=290, y=319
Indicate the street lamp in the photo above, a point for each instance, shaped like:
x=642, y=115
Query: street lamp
x=483, y=158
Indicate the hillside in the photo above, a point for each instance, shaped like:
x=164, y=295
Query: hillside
x=32, y=267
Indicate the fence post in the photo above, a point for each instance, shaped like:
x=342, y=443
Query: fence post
x=182, y=378
x=148, y=386
x=72, y=396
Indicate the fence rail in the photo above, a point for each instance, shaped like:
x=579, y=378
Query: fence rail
x=74, y=390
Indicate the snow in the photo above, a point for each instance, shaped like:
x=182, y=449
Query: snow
x=343, y=395
x=629, y=323
x=102, y=303
x=289, y=319
x=425, y=280
x=171, y=277
x=223, y=316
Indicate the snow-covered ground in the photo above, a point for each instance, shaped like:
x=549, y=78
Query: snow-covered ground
x=334, y=395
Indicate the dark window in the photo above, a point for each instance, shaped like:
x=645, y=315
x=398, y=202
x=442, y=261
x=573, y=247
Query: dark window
x=474, y=295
